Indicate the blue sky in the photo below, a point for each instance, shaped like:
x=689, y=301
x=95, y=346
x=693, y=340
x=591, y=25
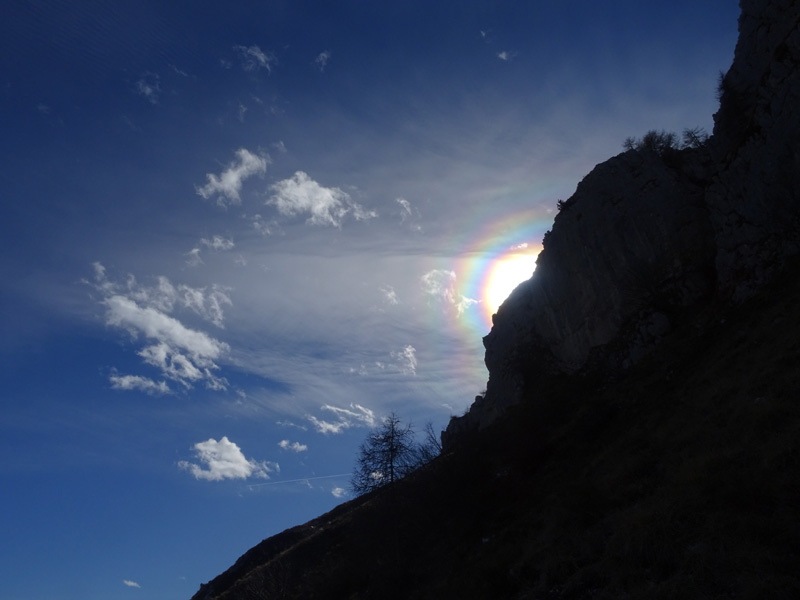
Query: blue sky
x=236, y=235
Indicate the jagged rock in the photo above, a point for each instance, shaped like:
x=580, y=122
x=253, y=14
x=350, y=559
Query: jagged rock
x=754, y=201
x=647, y=237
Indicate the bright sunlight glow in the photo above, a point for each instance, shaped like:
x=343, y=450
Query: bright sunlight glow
x=507, y=273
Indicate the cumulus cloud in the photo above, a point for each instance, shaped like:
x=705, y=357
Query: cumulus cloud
x=136, y=382
x=254, y=58
x=148, y=87
x=322, y=60
x=339, y=492
x=440, y=285
x=293, y=446
x=407, y=359
x=326, y=206
x=182, y=354
x=126, y=313
x=130, y=583
x=355, y=416
x=223, y=459
x=227, y=186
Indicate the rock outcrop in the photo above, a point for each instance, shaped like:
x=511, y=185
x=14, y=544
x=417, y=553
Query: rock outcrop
x=650, y=237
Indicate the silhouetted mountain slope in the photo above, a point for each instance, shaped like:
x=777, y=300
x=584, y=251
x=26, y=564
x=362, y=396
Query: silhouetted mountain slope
x=640, y=437
x=682, y=480
x=653, y=234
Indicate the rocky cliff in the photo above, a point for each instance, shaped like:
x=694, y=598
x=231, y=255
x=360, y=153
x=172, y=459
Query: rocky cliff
x=648, y=374
x=656, y=236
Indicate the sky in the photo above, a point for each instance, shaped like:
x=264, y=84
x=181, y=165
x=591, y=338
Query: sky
x=236, y=235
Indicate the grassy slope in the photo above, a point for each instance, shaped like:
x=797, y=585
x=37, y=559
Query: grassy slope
x=682, y=480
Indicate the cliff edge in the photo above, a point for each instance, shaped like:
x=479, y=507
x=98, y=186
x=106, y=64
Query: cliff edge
x=656, y=236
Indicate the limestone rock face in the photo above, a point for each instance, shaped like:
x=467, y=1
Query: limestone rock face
x=647, y=236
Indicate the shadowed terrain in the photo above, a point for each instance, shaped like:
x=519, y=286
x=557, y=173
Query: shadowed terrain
x=640, y=434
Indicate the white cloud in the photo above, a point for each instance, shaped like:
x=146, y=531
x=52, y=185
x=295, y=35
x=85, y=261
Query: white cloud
x=254, y=58
x=194, y=259
x=339, y=492
x=390, y=295
x=287, y=423
x=136, y=382
x=178, y=71
x=124, y=312
x=440, y=284
x=130, y=583
x=464, y=303
x=355, y=416
x=293, y=446
x=409, y=214
x=264, y=227
x=327, y=427
x=223, y=459
x=327, y=206
x=148, y=87
x=505, y=55
x=405, y=205
x=181, y=354
x=322, y=59
x=218, y=242
x=227, y=186
x=280, y=147
x=407, y=359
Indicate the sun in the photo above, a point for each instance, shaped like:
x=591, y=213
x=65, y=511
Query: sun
x=505, y=274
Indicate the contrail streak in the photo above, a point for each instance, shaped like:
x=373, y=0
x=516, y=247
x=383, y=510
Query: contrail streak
x=301, y=479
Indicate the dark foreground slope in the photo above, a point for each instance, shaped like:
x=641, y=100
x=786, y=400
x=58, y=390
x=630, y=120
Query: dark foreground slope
x=682, y=480
x=640, y=435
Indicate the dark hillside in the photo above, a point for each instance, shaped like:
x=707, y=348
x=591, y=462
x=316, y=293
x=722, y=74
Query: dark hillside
x=640, y=433
x=682, y=480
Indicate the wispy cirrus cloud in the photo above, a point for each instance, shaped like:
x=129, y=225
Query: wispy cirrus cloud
x=148, y=86
x=390, y=295
x=326, y=206
x=409, y=214
x=193, y=258
x=223, y=459
x=217, y=244
x=254, y=58
x=322, y=60
x=129, y=583
x=227, y=186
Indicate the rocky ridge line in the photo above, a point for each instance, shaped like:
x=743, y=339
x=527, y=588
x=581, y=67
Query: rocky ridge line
x=650, y=239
